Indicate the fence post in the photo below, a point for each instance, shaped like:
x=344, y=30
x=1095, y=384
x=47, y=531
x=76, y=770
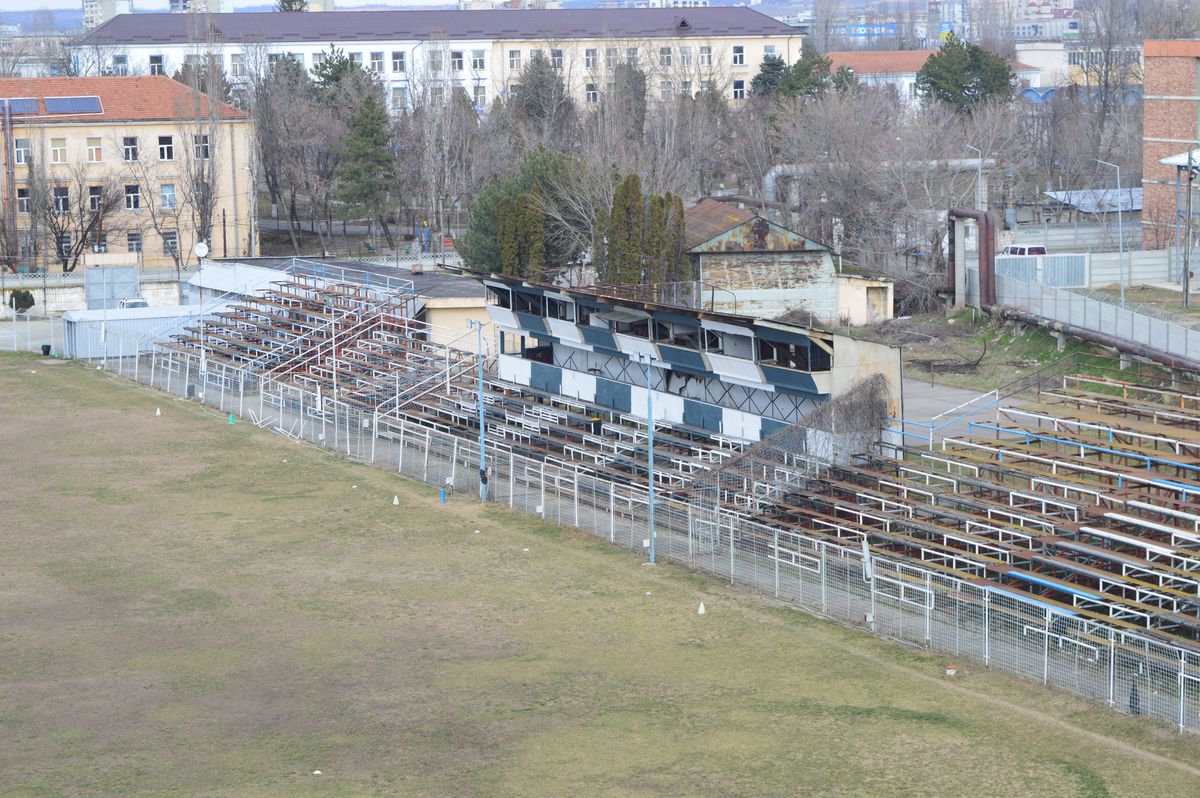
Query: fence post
x=824, y=578
x=1182, y=663
x=1046, y=650
x=776, y=553
x=576, y=494
x=612, y=516
x=928, y=609
x=400, y=457
x=512, y=477
x=731, y=555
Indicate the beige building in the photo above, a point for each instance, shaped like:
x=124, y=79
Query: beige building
x=123, y=170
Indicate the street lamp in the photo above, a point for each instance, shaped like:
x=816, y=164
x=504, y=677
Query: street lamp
x=1120, y=227
x=644, y=358
x=478, y=326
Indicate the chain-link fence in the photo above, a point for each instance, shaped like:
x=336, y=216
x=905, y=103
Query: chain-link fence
x=1134, y=673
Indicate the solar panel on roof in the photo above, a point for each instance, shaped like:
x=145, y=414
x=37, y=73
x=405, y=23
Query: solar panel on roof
x=73, y=105
x=21, y=105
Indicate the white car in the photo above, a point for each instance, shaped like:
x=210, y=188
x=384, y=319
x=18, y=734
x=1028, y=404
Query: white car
x=133, y=302
x=1024, y=249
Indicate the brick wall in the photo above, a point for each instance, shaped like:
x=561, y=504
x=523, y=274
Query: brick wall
x=1171, y=125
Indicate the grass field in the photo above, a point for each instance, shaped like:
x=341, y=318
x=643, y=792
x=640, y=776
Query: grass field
x=194, y=608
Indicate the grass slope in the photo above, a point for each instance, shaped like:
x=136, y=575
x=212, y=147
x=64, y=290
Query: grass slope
x=193, y=608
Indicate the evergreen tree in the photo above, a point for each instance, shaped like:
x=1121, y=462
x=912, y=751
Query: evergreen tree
x=807, y=78
x=769, y=74
x=845, y=79
x=291, y=6
x=366, y=167
x=680, y=267
x=334, y=67
x=626, y=225
x=657, y=244
x=964, y=75
x=629, y=99
x=541, y=97
x=532, y=235
x=507, y=236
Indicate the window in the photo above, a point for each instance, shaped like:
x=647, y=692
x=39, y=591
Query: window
x=480, y=97
x=133, y=198
x=685, y=56
x=377, y=62
x=22, y=151
x=158, y=67
x=129, y=149
x=133, y=242
x=556, y=59
x=611, y=56
x=514, y=59
x=22, y=200
x=589, y=58
x=665, y=90
x=664, y=56
x=98, y=242
x=297, y=57
x=456, y=60
x=535, y=54
x=739, y=55
x=318, y=59
x=399, y=98
x=94, y=150
x=120, y=65
x=685, y=88
x=166, y=148
x=631, y=56
x=166, y=196
x=477, y=59
x=768, y=51
x=273, y=59
x=437, y=94
x=62, y=199
x=739, y=90
x=356, y=59
x=560, y=309
x=58, y=150
x=706, y=55
x=200, y=146
x=435, y=61
x=95, y=197
x=237, y=65
x=591, y=94
x=398, y=64
x=708, y=85
x=63, y=245
x=170, y=240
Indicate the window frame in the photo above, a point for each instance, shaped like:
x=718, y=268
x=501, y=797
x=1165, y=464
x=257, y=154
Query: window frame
x=514, y=60
x=739, y=55
x=376, y=64
x=399, y=61
x=705, y=55
x=159, y=68
x=95, y=149
x=590, y=57
x=22, y=155
x=133, y=199
x=739, y=89
x=133, y=241
x=166, y=146
x=162, y=197
x=666, y=56
x=128, y=149
x=61, y=197
x=201, y=146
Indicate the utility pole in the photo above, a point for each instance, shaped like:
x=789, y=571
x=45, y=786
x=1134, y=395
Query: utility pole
x=1187, y=239
x=643, y=357
x=478, y=326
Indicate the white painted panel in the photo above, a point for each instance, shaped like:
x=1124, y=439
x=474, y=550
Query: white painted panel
x=722, y=327
x=668, y=406
x=637, y=402
x=502, y=317
x=564, y=330
x=736, y=369
x=632, y=346
x=579, y=385
x=515, y=369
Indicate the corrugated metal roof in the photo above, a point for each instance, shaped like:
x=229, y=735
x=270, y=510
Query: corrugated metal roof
x=342, y=26
x=1100, y=200
x=709, y=218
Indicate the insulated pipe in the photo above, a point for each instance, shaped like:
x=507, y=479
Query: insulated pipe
x=1120, y=344
x=987, y=254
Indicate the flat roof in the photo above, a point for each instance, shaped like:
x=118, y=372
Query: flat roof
x=343, y=26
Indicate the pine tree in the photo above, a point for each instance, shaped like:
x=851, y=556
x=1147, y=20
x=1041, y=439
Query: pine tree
x=657, y=245
x=366, y=167
x=291, y=6
x=807, y=78
x=680, y=268
x=964, y=75
x=507, y=236
x=769, y=74
x=532, y=236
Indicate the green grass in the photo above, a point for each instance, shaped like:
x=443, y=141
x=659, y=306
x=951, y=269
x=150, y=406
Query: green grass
x=187, y=614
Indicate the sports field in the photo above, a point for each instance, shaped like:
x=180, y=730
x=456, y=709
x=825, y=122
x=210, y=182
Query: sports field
x=195, y=608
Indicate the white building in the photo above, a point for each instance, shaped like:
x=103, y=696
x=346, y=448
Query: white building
x=97, y=12
x=898, y=69
x=429, y=53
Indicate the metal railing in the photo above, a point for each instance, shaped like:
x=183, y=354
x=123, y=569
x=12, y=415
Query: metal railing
x=1131, y=672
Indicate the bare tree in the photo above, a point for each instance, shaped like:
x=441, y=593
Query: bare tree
x=76, y=208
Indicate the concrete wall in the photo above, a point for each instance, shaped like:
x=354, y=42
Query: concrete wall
x=863, y=300
x=51, y=299
x=449, y=318
x=768, y=284
x=854, y=360
x=1144, y=266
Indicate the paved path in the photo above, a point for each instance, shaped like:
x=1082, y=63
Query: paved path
x=923, y=401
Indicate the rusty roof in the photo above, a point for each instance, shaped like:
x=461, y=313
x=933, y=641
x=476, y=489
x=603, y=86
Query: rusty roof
x=709, y=218
x=879, y=62
x=122, y=99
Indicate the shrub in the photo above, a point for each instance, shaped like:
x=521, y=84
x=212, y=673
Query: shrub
x=20, y=300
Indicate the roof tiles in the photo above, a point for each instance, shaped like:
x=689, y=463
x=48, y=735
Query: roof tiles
x=125, y=99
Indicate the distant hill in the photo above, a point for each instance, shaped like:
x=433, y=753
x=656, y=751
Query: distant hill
x=64, y=18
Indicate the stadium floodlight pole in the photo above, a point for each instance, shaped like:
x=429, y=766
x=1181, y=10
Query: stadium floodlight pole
x=1120, y=227
x=478, y=325
x=643, y=357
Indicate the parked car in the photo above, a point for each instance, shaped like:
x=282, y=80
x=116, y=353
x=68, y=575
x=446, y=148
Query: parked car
x=1024, y=249
x=133, y=302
